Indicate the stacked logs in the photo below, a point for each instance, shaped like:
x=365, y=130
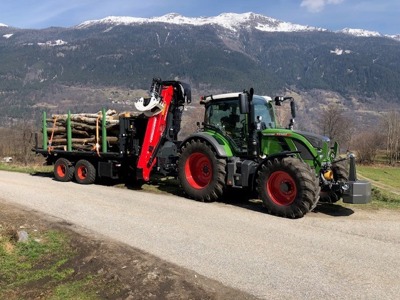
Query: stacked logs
x=86, y=130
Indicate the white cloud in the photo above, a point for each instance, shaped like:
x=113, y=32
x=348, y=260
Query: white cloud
x=318, y=5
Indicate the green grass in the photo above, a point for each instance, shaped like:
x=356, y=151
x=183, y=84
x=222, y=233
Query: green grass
x=384, y=199
x=381, y=173
x=385, y=183
x=30, y=169
x=74, y=290
x=42, y=262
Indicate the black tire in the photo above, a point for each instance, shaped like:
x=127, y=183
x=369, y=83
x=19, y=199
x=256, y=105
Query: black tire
x=340, y=174
x=63, y=170
x=85, y=172
x=200, y=172
x=288, y=187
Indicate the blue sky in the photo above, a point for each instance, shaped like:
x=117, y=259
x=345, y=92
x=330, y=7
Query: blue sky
x=375, y=15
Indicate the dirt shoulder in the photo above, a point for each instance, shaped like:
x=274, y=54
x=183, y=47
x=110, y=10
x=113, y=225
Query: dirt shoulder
x=121, y=272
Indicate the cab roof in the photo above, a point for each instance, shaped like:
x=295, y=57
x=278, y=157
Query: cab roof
x=209, y=98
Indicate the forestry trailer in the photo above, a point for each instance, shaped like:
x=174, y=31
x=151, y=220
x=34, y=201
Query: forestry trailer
x=238, y=145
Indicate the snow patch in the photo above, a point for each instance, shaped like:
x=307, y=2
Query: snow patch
x=7, y=36
x=53, y=43
x=395, y=37
x=3, y=25
x=360, y=32
x=338, y=51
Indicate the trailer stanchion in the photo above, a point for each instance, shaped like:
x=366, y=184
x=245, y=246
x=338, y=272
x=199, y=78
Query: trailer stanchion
x=44, y=129
x=69, y=132
x=103, y=132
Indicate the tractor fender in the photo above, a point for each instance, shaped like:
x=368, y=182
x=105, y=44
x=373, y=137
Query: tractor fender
x=219, y=149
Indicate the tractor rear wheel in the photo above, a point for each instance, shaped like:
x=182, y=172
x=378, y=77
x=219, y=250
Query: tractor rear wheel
x=85, y=172
x=340, y=174
x=200, y=172
x=63, y=170
x=288, y=187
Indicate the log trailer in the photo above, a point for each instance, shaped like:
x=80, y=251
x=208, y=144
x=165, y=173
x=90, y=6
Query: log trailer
x=239, y=145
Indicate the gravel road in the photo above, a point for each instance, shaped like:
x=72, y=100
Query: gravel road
x=348, y=256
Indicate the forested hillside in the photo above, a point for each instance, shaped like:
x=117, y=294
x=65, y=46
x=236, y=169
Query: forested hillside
x=103, y=64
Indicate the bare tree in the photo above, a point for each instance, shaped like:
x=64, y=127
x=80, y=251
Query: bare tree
x=17, y=142
x=336, y=125
x=367, y=144
x=391, y=126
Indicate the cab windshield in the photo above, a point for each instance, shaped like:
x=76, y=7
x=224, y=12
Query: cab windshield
x=263, y=109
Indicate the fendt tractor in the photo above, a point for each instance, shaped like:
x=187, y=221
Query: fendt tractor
x=238, y=145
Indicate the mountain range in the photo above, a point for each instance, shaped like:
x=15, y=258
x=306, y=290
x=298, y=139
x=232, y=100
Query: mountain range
x=109, y=61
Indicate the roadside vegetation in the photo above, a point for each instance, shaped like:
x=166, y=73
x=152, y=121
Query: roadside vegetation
x=30, y=168
x=385, y=182
x=43, y=260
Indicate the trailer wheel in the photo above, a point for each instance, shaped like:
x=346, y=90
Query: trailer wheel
x=200, y=172
x=340, y=174
x=63, y=170
x=288, y=187
x=85, y=172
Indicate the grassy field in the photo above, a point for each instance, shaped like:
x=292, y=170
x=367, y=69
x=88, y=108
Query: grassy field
x=385, y=185
x=381, y=173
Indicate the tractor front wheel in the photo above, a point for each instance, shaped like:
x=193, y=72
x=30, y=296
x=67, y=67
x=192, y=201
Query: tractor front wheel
x=200, y=172
x=288, y=187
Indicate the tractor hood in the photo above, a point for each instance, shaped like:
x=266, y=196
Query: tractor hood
x=315, y=139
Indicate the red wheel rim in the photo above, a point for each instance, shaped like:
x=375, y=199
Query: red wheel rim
x=61, y=170
x=198, y=170
x=82, y=172
x=281, y=188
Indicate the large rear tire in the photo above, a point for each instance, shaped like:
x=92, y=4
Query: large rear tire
x=288, y=187
x=85, y=172
x=340, y=174
x=63, y=170
x=200, y=172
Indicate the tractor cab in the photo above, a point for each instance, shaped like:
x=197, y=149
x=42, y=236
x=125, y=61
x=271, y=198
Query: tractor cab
x=224, y=115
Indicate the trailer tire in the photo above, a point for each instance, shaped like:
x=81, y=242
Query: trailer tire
x=201, y=173
x=287, y=187
x=85, y=172
x=340, y=174
x=63, y=170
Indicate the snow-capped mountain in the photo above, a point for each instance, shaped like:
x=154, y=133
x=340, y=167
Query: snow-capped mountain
x=395, y=37
x=367, y=33
x=231, y=21
x=221, y=53
x=3, y=25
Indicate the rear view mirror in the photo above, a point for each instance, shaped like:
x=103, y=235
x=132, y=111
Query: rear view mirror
x=244, y=103
x=278, y=100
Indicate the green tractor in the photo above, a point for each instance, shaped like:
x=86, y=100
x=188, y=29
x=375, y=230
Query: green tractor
x=240, y=145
